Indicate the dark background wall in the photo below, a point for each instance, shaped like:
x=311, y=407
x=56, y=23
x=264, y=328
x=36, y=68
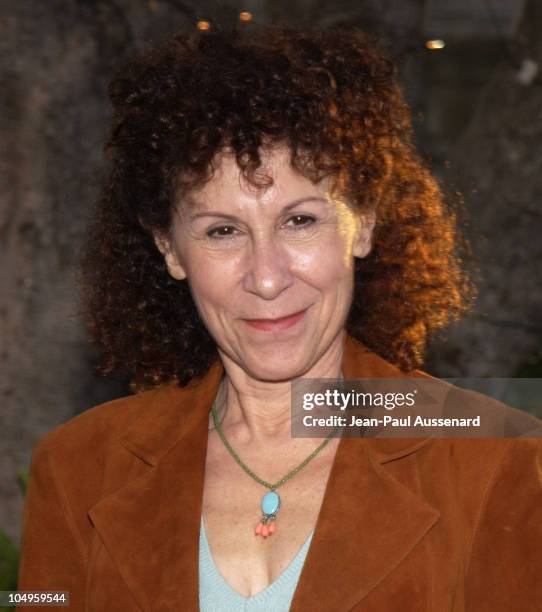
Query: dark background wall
x=478, y=117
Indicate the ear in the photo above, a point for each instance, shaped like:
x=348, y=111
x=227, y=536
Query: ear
x=363, y=240
x=171, y=258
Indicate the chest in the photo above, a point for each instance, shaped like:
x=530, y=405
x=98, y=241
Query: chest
x=231, y=511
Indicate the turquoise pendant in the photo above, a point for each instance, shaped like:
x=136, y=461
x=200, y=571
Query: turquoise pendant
x=270, y=504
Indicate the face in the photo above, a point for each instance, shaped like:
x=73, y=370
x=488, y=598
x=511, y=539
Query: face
x=253, y=256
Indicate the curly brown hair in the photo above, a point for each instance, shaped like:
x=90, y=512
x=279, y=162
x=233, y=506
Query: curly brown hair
x=333, y=99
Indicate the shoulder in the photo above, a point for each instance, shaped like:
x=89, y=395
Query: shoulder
x=91, y=432
x=497, y=419
x=85, y=458
x=139, y=427
x=490, y=459
x=508, y=444
x=504, y=453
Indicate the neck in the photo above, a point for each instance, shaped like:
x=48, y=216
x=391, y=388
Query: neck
x=257, y=410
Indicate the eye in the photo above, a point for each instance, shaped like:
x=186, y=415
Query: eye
x=303, y=221
x=222, y=231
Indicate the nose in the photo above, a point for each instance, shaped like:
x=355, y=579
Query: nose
x=267, y=269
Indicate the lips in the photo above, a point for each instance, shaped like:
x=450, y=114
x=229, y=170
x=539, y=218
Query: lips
x=276, y=324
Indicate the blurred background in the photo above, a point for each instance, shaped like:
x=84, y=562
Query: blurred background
x=471, y=69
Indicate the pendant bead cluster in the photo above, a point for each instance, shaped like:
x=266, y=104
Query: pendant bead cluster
x=270, y=506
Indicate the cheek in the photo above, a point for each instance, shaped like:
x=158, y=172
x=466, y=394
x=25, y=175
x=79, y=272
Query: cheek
x=326, y=265
x=212, y=287
x=208, y=289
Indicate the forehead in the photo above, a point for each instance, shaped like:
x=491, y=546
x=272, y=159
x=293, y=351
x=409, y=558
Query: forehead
x=277, y=181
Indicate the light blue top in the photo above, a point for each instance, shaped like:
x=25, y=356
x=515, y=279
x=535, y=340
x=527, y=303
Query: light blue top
x=216, y=595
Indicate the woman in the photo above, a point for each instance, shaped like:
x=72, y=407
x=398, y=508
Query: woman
x=267, y=219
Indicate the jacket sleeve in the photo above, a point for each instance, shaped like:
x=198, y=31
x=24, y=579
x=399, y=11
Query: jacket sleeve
x=505, y=569
x=52, y=552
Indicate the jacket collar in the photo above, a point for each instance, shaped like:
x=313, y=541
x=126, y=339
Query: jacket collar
x=367, y=523
x=162, y=424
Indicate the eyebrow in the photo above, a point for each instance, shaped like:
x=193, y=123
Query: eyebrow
x=216, y=213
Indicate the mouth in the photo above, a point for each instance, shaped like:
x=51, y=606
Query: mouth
x=277, y=324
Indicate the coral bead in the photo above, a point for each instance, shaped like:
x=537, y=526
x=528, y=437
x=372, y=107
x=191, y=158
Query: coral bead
x=265, y=531
x=258, y=529
x=271, y=529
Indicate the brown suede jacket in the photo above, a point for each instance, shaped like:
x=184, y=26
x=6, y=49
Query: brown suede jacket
x=407, y=524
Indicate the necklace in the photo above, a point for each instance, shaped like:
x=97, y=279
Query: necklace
x=270, y=504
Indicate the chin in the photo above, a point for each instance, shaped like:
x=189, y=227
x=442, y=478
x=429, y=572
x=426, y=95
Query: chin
x=278, y=375
x=276, y=366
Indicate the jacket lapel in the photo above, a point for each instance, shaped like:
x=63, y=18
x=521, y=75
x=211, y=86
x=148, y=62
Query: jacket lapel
x=150, y=526
x=368, y=521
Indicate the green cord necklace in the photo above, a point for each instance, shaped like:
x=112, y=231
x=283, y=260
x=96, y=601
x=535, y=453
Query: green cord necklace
x=270, y=503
